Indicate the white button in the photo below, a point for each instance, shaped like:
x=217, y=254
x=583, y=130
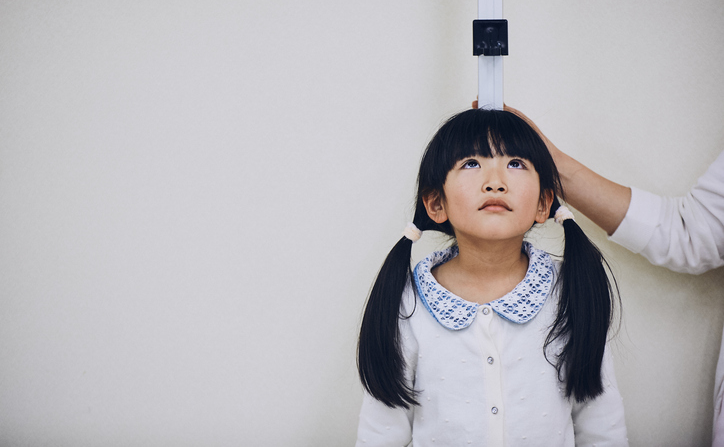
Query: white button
x=486, y=311
x=490, y=360
x=494, y=410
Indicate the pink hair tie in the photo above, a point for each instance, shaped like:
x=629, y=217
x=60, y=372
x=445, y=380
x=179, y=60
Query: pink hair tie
x=563, y=213
x=412, y=233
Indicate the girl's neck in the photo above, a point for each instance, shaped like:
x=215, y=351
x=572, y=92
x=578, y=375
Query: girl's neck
x=483, y=272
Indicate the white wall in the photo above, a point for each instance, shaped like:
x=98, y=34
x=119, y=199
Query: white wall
x=195, y=197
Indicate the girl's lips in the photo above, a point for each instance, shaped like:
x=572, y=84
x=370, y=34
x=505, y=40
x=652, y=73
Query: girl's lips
x=495, y=205
x=495, y=208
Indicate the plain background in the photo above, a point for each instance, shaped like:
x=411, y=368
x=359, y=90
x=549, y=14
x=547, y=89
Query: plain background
x=195, y=197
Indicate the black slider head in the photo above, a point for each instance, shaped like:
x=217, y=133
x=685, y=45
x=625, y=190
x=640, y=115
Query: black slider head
x=490, y=37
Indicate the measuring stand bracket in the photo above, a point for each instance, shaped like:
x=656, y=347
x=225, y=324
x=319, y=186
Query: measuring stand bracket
x=490, y=37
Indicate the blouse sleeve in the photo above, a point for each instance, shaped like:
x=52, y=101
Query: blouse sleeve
x=380, y=425
x=600, y=421
x=684, y=234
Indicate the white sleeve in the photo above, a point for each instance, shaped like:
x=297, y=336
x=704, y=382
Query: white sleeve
x=380, y=425
x=601, y=422
x=683, y=234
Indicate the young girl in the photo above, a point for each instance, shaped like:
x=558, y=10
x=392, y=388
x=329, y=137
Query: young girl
x=489, y=342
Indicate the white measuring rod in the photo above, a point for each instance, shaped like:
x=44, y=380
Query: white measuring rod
x=490, y=68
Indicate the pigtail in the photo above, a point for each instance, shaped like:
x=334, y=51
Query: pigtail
x=584, y=313
x=380, y=362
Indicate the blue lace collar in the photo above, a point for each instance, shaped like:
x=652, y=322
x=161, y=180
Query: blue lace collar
x=520, y=305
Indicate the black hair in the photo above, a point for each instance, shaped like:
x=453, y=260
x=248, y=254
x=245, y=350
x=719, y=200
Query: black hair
x=587, y=296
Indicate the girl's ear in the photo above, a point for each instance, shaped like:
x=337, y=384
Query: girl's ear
x=544, y=207
x=434, y=207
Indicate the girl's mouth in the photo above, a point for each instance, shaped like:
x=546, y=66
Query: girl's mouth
x=494, y=205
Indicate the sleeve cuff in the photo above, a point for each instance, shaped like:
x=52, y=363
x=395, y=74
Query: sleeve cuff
x=642, y=218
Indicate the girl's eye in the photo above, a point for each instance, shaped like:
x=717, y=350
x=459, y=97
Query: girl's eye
x=471, y=164
x=516, y=164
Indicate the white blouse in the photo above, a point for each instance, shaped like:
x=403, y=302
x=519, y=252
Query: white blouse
x=481, y=375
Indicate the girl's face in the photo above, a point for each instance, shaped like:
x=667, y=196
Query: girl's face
x=491, y=199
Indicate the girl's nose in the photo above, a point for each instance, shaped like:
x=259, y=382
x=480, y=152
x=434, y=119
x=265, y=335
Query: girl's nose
x=494, y=176
x=494, y=183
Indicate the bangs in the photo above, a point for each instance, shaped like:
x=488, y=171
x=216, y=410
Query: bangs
x=484, y=133
x=488, y=133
